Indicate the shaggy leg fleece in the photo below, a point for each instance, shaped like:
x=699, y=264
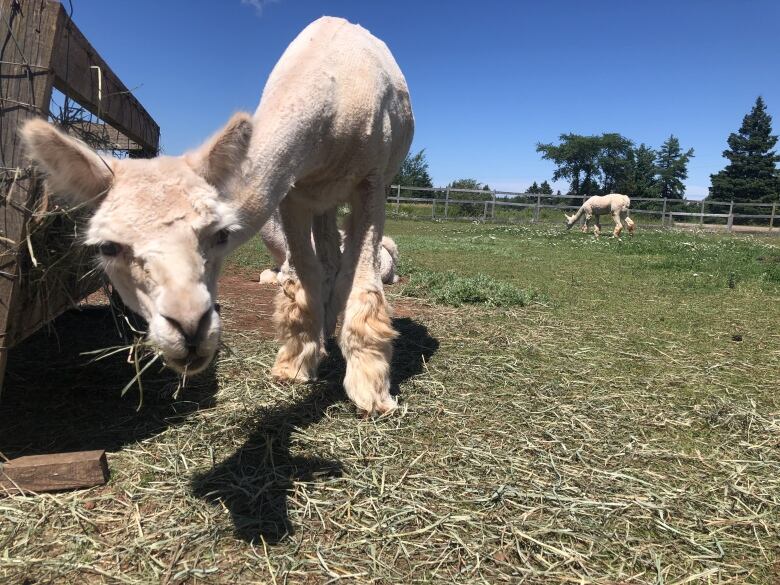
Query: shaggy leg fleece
x=299, y=332
x=366, y=341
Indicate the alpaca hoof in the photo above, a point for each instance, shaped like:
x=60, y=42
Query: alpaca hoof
x=289, y=372
x=385, y=407
x=293, y=370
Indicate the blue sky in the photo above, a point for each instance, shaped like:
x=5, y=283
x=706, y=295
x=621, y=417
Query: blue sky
x=488, y=79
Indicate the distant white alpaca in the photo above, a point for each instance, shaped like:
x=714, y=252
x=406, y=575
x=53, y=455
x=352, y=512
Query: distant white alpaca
x=332, y=127
x=613, y=204
x=272, y=235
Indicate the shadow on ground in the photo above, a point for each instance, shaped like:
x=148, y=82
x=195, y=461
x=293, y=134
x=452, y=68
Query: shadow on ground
x=254, y=483
x=55, y=400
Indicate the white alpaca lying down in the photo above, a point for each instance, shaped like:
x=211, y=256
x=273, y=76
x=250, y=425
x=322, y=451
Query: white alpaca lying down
x=613, y=204
x=273, y=238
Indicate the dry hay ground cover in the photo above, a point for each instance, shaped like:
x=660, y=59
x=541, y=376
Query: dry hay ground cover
x=607, y=413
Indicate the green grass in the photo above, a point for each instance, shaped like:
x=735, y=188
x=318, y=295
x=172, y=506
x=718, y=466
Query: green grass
x=605, y=412
x=448, y=288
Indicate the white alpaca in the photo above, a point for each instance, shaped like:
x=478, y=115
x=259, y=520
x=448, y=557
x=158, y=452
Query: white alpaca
x=332, y=127
x=272, y=235
x=613, y=204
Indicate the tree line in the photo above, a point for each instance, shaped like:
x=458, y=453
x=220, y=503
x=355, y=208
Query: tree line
x=612, y=163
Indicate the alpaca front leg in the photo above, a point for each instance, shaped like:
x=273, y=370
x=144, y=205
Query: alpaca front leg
x=328, y=245
x=367, y=334
x=366, y=341
x=630, y=223
x=299, y=308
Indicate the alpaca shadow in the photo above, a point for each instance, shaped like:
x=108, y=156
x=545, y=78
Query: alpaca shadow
x=255, y=482
x=57, y=399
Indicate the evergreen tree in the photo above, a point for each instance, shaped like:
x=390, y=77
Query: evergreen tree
x=414, y=171
x=534, y=188
x=645, y=184
x=751, y=173
x=545, y=188
x=672, y=168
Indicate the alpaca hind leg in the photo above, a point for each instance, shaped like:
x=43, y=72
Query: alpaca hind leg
x=366, y=337
x=618, y=225
x=299, y=306
x=629, y=222
x=328, y=245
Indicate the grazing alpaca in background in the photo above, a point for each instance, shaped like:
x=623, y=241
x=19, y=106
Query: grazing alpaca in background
x=332, y=127
x=272, y=235
x=613, y=204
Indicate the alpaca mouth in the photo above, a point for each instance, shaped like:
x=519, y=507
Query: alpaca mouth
x=192, y=364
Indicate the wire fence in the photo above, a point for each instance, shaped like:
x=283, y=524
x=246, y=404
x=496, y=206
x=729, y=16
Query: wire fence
x=510, y=207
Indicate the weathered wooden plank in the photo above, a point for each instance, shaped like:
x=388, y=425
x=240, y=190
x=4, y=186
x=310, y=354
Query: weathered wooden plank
x=55, y=472
x=105, y=136
x=28, y=34
x=99, y=91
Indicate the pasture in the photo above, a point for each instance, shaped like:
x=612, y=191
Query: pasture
x=571, y=410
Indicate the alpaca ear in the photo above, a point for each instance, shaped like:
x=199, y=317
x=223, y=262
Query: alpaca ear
x=73, y=169
x=220, y=157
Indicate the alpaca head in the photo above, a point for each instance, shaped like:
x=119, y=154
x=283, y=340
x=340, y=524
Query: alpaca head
x=569, y=221
x=161, y=228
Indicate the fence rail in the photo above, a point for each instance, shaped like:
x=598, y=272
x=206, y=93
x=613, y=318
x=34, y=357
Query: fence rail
x=508, y=206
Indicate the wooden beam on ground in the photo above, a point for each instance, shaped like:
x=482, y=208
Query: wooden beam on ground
x=56, y=472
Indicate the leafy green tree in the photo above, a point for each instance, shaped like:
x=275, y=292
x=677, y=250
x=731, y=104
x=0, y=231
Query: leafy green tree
x=672, y=168
x=644, y=180
x=468, y=209
x=471, y=184
x=577, y=160
x=592, y=164
x=751, y=173
x=414, y=171
x=616, y=162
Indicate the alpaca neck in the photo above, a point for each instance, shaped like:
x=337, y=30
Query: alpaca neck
x=277, y=158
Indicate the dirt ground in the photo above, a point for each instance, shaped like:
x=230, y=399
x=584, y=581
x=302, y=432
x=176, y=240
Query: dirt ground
x=248, y=305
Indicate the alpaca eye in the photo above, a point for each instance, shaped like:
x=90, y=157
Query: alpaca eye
x=222, y=237
x=110, y=249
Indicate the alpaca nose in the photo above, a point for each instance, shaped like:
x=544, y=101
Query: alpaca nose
x=191, y=330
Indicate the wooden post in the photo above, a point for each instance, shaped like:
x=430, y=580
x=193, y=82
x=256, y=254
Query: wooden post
x=663, y=214
x=730, y=221
x=398, y=200
x=433, y=204
x=538, y=207
x=701, y=217
x=446, y=202
x=484, y=212
x=42, y=49
x=29, y=38
x=493, y=208
x=772, y=218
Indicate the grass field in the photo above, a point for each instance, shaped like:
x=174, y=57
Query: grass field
x=608, y=413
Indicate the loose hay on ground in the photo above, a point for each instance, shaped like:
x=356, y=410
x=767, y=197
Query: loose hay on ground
x=531, y=445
